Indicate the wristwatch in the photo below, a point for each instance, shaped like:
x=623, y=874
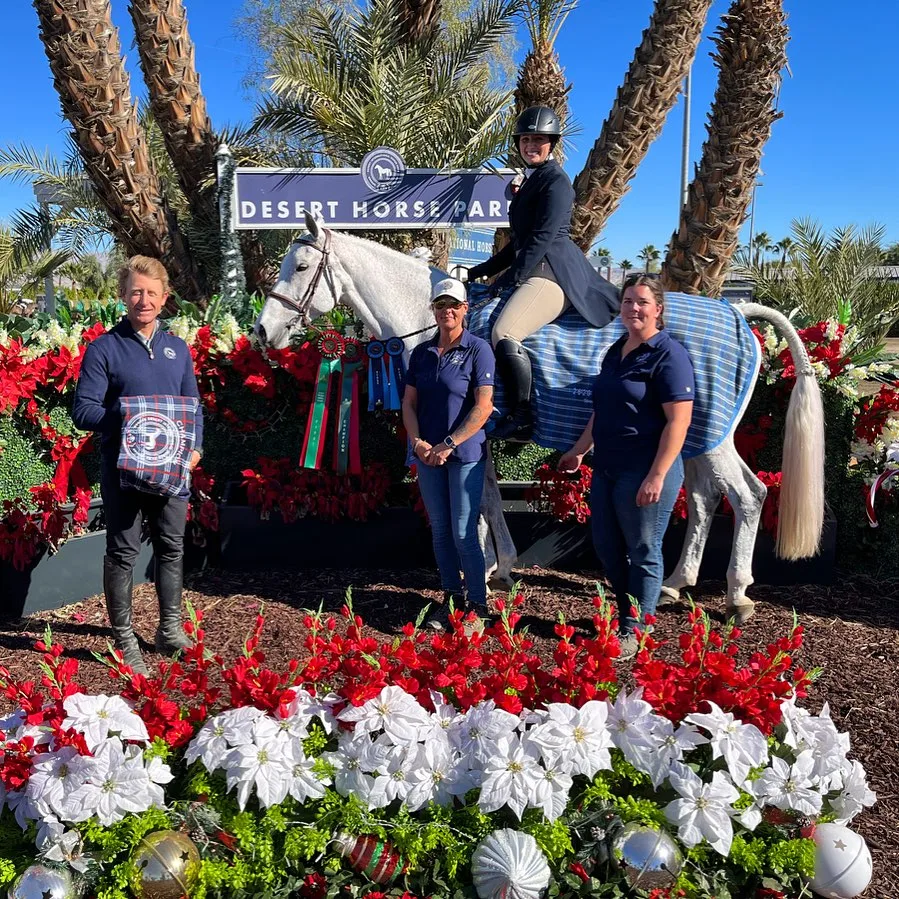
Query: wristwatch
x=448, y=441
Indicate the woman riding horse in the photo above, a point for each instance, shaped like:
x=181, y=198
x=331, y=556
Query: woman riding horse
x=547, y=269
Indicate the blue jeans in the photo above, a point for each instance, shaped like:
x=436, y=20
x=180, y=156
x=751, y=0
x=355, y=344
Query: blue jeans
x=452, y=497
x=628, y=537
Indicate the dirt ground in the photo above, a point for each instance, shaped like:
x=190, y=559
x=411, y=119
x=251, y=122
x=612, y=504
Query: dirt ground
x=852, y=632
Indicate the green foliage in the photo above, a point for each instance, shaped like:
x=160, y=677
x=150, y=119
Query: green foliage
x=792, y=856
x=7, y=872
x=829, y=276
x=518, y=461
x=22, y=464
x=552, y=837
x=750, y=855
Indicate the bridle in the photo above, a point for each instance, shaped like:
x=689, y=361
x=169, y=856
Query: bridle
x=305, y=301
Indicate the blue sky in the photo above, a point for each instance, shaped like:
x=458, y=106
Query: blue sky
x=833, y=156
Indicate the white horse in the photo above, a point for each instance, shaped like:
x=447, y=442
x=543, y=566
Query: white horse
x=390, y=291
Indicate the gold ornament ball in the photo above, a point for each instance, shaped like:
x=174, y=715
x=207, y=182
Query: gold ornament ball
x=166, y=865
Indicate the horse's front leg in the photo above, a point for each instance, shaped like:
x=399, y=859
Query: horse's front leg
x=492, y=511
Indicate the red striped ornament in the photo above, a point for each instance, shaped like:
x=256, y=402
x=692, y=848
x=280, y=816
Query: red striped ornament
x=374, y=858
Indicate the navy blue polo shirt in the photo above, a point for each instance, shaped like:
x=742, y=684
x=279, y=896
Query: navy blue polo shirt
x=628, y=395
x=446, y=386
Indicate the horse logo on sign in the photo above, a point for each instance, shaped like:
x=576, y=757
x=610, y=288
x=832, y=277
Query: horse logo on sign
x=152, y=439
x=382, y=169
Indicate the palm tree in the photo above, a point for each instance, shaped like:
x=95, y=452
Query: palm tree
x=830, y=276
x=82, y=46
x=625, y=265
x=176, y=101
x=784, y=246
x=650, y=255
x=541, y=79
x=761, y=244
x=420, y=20
x=347, y=83
x=649, y=91
x=23, y=267
x=750, y=53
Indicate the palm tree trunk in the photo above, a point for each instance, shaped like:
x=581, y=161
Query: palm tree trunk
x=750, y=55
x=643, y=102
x=89, y=75
x=176, y=101
x=420, y=19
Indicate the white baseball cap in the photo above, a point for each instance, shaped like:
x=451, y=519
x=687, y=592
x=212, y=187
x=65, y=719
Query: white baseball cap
x=451, y=288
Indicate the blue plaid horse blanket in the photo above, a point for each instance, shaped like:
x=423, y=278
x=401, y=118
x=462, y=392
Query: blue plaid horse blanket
x=158, y=436
x=567, y=353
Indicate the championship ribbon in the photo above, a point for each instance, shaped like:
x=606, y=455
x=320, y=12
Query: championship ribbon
x=331, y=347
x=377, y=374
x=396, y=372
x=346, y=440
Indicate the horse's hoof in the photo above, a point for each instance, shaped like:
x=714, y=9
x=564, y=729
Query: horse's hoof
x=667, y=596
x=498, y=584
x=740, y=611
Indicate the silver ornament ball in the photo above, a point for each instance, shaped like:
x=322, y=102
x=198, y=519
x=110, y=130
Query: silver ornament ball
x=650, y=858
x=41, y=882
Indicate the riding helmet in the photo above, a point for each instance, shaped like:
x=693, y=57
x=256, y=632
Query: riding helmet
x=538, y=120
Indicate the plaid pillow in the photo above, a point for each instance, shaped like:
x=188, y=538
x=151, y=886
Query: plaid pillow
x=158, y=437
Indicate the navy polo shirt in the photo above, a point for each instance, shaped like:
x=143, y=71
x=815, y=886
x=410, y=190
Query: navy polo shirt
x=446, y=386
x=628, y=395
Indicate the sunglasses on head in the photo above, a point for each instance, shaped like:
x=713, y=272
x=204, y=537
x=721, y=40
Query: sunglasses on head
x=446, y=303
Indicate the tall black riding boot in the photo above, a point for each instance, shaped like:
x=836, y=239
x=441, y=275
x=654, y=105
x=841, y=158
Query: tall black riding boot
x=514, y=368
x=117, y=585
x=170, y=636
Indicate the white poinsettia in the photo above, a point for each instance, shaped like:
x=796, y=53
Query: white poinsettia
x=99, y=717
x=263, y=765
x=55, y=776
x=552, y=787
x=854, y=795
x=444, y=718
x=237, y=724
x=477, y=733
x=743, y=746
x=510, y=776
x=351, y=763
x=303, y=783
x=118, y=785
x=392, y=776
x=393, y=711
x=630, y=724
x=304, y=706
x=704, y=810
x=668, y=746
x=787, y=786
x=438, y=774
x=209, y=744
x=577, y=739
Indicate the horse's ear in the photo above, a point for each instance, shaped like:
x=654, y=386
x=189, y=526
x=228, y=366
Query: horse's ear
x=314, y=225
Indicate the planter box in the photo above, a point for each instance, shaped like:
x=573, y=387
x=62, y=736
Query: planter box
x=393, y=538
x=52, y=581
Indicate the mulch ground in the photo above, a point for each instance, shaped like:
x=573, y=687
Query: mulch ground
x=852, y=633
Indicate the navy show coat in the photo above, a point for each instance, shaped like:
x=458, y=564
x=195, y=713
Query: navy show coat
x=540, y=220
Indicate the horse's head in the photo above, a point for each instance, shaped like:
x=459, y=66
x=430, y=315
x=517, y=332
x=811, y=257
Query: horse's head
x=308, y=286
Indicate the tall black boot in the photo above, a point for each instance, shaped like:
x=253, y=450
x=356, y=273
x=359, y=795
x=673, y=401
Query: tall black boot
x=117, y=585
x=514, y=367
x=170, y=636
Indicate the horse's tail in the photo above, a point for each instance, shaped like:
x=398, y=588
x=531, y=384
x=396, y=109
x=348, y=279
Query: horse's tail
x=801, y=517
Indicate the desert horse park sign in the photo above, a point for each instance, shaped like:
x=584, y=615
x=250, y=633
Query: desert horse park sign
x=381, y=193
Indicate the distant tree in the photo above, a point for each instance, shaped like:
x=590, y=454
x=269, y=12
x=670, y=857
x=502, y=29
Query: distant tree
x=625, y=265
x=890, y=256
x=784, y=246
x=650, y=256
x=23, y=267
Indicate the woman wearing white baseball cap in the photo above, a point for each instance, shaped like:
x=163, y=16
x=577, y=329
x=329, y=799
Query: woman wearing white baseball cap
x=447, y=400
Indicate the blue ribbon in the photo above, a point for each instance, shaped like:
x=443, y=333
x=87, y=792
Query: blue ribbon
x=376, y=374
x=397, y=372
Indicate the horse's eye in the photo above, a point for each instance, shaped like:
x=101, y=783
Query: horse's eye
x=302, y=266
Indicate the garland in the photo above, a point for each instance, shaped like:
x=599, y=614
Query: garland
x=322, y=777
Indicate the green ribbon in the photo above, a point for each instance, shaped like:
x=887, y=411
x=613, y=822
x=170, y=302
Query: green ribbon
x=313, y=443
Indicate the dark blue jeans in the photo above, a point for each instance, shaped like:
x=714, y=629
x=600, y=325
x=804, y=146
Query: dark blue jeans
x=628, y=537
x=452, y=497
